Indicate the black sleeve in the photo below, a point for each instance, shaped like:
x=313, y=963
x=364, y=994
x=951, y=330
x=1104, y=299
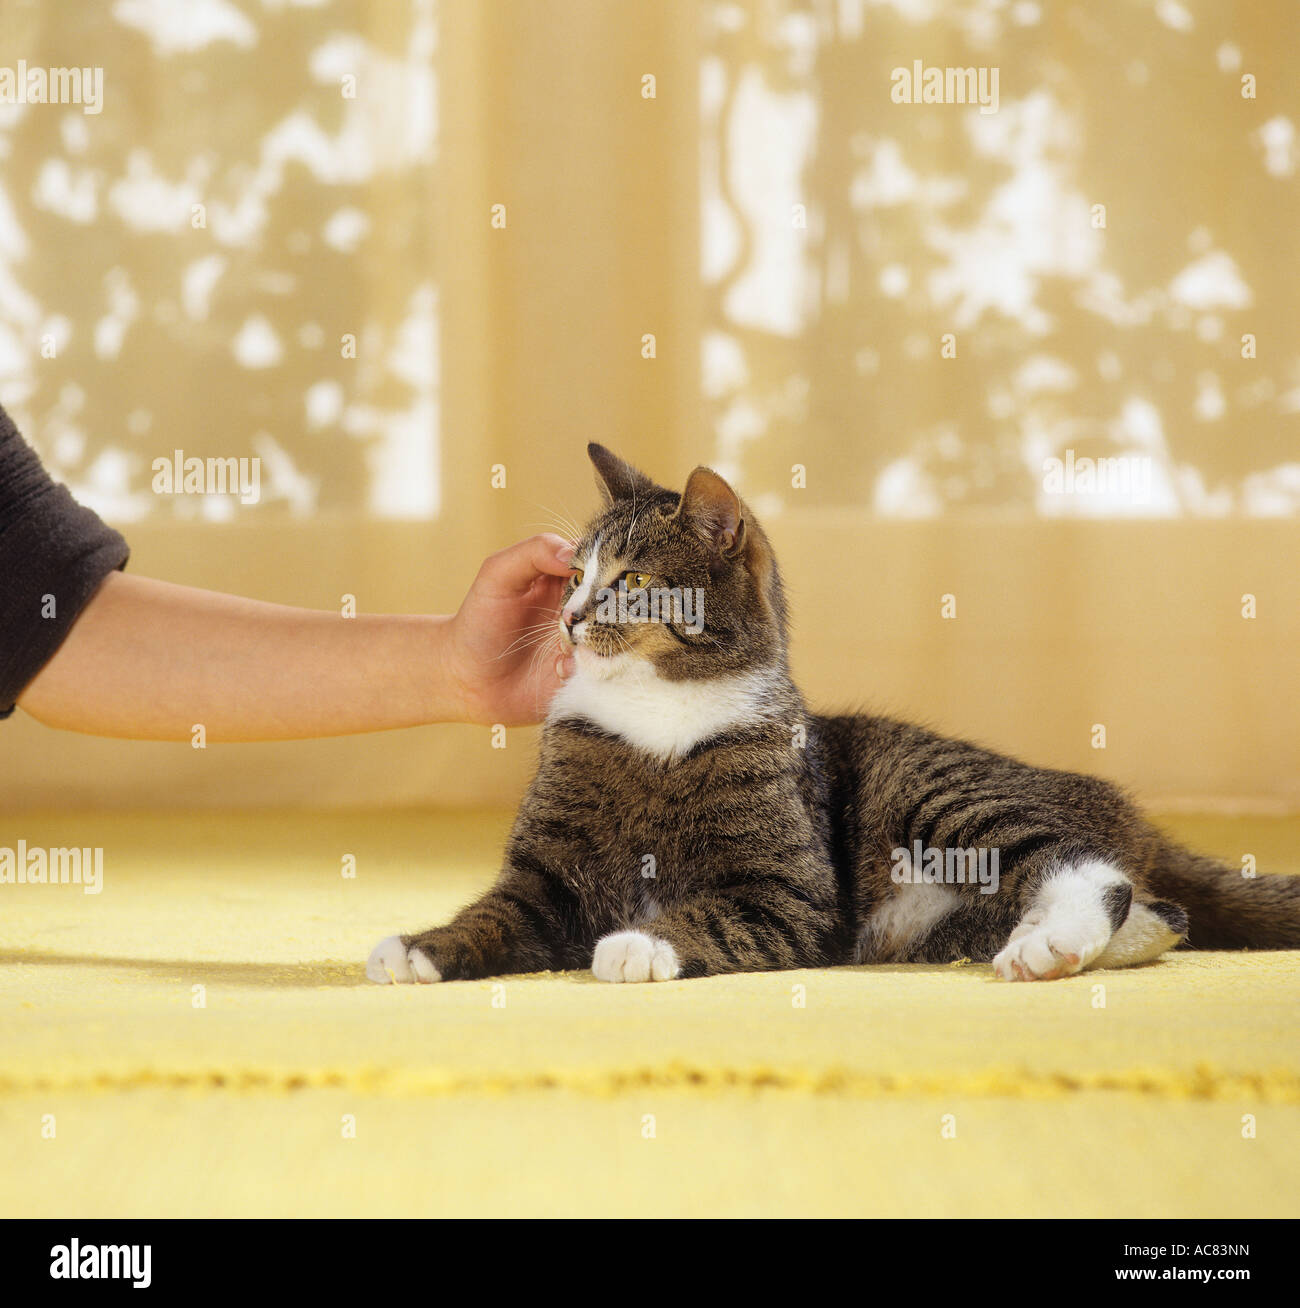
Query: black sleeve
x=53, y=556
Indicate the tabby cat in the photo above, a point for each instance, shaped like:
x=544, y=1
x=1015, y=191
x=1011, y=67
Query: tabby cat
x=690, y=816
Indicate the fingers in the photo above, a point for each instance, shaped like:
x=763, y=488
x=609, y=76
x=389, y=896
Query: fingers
x=514, y=570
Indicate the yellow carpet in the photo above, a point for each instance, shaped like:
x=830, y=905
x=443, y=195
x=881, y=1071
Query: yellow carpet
x=202, y=1038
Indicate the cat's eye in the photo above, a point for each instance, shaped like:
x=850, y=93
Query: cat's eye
x=636, y=580
x=577, y=577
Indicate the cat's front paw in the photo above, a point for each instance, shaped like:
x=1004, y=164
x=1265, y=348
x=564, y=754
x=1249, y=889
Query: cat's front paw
x=634, y=956
x=392, y=963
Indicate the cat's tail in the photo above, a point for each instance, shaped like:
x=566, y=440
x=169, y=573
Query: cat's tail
x=1225, y=909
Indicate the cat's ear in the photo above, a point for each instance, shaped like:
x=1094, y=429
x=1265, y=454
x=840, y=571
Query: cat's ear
x=615, y=479
x=713, y=509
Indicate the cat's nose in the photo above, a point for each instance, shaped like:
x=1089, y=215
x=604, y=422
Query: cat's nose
x=571, y=618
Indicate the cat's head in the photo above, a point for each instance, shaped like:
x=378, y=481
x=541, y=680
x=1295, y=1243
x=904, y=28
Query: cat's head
x=685, y=581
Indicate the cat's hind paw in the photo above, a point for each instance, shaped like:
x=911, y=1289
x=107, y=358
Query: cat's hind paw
x=1074, y=914
x=1046, y=951
x=634, y=956
x=391, y=963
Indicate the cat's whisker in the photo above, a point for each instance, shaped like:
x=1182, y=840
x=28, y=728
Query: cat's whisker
x=535, y=641
x=535, y=636
x=565, y=529
x=558, y=522
x=566, y=515
x=534, y=627
x=534, y=664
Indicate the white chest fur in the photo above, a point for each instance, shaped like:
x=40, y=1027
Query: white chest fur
x=664, y=718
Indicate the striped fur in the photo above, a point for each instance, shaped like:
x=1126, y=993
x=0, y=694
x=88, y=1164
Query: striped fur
x=670, y=834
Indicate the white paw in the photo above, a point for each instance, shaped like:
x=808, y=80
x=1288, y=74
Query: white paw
x=634, y=956
x=1043, y=951
x=390, y=962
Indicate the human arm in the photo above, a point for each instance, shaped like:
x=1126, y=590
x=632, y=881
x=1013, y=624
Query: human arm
x=149, y=660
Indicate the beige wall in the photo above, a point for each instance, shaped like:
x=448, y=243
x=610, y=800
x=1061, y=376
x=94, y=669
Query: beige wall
x=1059, y=626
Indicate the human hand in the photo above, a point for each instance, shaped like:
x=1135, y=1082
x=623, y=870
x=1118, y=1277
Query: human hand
x=502, y=653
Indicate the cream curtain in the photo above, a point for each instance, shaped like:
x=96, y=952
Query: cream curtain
x=698, y=233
